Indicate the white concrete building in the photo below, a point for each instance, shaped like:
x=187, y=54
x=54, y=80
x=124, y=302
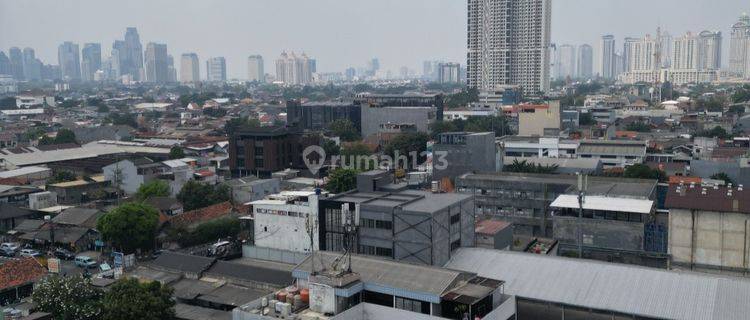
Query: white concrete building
x=255, y=69
x=284, y=221
x=508, y=43
x=608, y=59
x=738, y=47
x=189, y=68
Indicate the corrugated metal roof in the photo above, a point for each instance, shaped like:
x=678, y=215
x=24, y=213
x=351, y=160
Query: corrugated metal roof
x=604, y=203
x=620, y=288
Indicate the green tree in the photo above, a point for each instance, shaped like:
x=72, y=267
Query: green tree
x=129, y=299
x=586, y=119
x=638, y=127
x=342, y=180
x=722, y=176
x=344, y=129
x=65, y=136
x=102, y=108
x=176, y=153
x=155, y=188
x=331, y=148
x=205, y=232
x=195, y=195
x=716, y=132
x=642, y=171
x=406, y=145
x=359, y=156
x=526, y=167
x=462, y=99
x=68, y=298
x=130, y=227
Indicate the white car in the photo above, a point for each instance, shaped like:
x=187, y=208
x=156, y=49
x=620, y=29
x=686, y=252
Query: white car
x=9, y=245
x=30, y=253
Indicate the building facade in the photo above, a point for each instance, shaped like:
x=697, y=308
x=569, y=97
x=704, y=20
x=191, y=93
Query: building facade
x=738, y=47
x=608, y=57
x=508, y=43
x=91, y=60
x=157, y=63
x=457, y=153
x=69, y=59
x=189, y=68
x=216, y=69
x=292, y=69
x=255, y=69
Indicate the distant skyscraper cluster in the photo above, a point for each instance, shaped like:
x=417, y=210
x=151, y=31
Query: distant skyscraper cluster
x=449, y=73
x=739, y=48
x=508, y=44
x=292, y=69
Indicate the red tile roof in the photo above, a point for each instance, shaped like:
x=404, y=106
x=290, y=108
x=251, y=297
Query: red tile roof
x=18, y=272
x=203, y=214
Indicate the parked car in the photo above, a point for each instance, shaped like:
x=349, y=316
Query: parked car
x=63, y=254
x=85, y=262
x=31, y=253
x=10, y=245
x=7, y=252
x=106, y=271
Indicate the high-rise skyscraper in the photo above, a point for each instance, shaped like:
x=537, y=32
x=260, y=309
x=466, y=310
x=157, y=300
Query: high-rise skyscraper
x=639, y=54
x=449, y=72
x=129, y=53
x=216, y=69
x=171, y=70
x=16, y=63
x=738, y=47
x=189, y=68
x=509, y=44
x=68, y=57
x=697, y=52
x=709, y=50
x=255, y=70
x=157, y=63
x=5, y=67
x=566, y=63
x=292, y=69
x=609, y=56
x=32, y=67
x=91, y=60
x=585, y=61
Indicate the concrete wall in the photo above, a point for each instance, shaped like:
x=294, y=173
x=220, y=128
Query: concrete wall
x=534, y=124
x=478, y=154
x=128, y=176
x=711, y=239
x=608, y=234
x=372, y=117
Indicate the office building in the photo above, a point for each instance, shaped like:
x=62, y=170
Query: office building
x=32, y=67
x=129, y=55
x=539, y=120
x=262, y=151
x=395, y=113
x=157, y=64
x=189, y=68
x=283, y=221
x=318, y=116
x=216, y=69
x=697, y=52
x=585, y=62
x=16, y=63
x=91, y=60
x=608, y=59
x=171, y=70
x=294, y=70
x=255, y=69
x=457, y=153
x=709, y=50
x=508, y=43
x=413, y=226
x=69, y=60
x=5, y=67
x=738, y=47
x=566, y=62
x=639, y=54
x=449, y=73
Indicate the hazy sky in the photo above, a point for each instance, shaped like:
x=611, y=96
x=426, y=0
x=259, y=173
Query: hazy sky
x=338, y=33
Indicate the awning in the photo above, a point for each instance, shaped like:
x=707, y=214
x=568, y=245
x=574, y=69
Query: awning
x=604, y=203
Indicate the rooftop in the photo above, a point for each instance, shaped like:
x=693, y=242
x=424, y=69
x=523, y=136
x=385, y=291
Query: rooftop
x=632, y=290
x=722, y=199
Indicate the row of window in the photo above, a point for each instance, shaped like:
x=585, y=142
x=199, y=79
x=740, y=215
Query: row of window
x=376, y=224
x=376, y=251
x=282, y=212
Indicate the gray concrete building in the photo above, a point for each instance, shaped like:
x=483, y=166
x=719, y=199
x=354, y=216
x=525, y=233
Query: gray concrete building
x=412, y=226
x=247, y=189
x=456, y=153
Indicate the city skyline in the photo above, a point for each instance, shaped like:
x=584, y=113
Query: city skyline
x=363, y=38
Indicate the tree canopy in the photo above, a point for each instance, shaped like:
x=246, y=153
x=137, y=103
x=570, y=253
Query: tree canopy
x=176, y=153
x=129, y=299
x=344, y=129
x=526, y=167
x=195, y=195
x=154, y=188
x=408, y=144
x=68, y=298
x=130, y=227
x=642, y=171
x=342, y=180
x=63, y=136
x=722, y=176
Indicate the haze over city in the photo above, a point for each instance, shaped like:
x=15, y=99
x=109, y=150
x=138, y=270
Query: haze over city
x=340, y=34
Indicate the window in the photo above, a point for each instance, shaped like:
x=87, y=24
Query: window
x=376, y=224
x=455, y=218
x=259, y=163
x=455, y=244
x=412, y=305
x=376, y=251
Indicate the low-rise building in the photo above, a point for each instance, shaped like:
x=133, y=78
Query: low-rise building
x=456, y=153
x=539, y=120
x=287, y=221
